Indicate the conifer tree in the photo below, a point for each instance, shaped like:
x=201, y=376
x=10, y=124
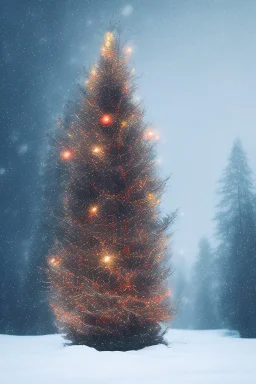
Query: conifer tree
x=204, y=288
x=237, y=248
x=109, y=265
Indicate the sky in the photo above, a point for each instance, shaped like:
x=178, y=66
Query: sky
x=195, y=62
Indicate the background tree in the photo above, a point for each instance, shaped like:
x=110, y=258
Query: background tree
x=204, y=288
x=181, y=288
x=236, y=221
x=109, y=263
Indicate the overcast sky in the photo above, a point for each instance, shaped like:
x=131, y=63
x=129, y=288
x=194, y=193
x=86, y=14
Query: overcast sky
x=199, y=89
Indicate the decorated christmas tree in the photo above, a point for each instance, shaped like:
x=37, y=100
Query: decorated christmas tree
x=109, y=267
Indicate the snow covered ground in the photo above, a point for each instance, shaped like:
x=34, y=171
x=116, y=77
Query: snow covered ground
x=194, y=357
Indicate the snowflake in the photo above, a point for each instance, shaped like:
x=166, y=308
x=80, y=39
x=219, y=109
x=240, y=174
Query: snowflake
x=23, y=149
x=127, y=10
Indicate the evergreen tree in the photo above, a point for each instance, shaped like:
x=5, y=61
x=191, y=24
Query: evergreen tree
x=109, y=264
x=204, y=283
x=181, y=287
x=237, y=248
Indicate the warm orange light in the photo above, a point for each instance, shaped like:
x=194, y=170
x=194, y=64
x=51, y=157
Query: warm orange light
x=96, y=150
x=66, y=155
x=151, y=196
x=107, y=259
x=109, y=37
x=93, y=71
x=106, y=119
x=123, y=123
x=54, y=262
x=94, y=209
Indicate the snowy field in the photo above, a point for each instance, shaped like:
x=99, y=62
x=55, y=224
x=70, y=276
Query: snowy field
x=194, y=357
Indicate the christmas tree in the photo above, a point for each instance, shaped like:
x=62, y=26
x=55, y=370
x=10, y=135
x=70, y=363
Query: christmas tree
x=109, y=265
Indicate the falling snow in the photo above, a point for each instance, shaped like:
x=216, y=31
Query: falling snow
x=22, y=149
x=127, y=10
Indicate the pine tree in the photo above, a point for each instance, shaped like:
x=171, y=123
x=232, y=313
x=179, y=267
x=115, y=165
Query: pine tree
x=181, y=287
x=237, y=248
x=204, y=283
x=110, y=262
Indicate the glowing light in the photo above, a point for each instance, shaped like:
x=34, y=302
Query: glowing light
x=106, y=119
x=109, y=37
x=150, y=135
x=66, y=155
x=123, y=124
x=128, y=50
x=151, y=196
x=93, y=71
x=107, y=259
x=94, y=210
x=125, y=89
x=54, y=262
x=103, y=50
x=96, y=150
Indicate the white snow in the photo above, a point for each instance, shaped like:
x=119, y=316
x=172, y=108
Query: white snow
x=127, y=10
x=23, y=149
x=194, y=357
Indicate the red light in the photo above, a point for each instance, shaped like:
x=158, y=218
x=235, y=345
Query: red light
x=106, y=120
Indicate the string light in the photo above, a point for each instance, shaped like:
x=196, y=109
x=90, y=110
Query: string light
x=109, y=37
x=107, y=259
x=106, y=119
x=96, y=150
x=151, y=196
x=54, y=262
x=123, y=124
x=128, y=50
x=66, y=155
x=103, y=50
x=150, y=134
x=93, y=71
x=94, y=210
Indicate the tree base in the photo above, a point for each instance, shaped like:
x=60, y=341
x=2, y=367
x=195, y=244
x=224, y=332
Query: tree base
x=123, y=340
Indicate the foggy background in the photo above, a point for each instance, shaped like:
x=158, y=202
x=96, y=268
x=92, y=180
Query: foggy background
x=195, y=62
